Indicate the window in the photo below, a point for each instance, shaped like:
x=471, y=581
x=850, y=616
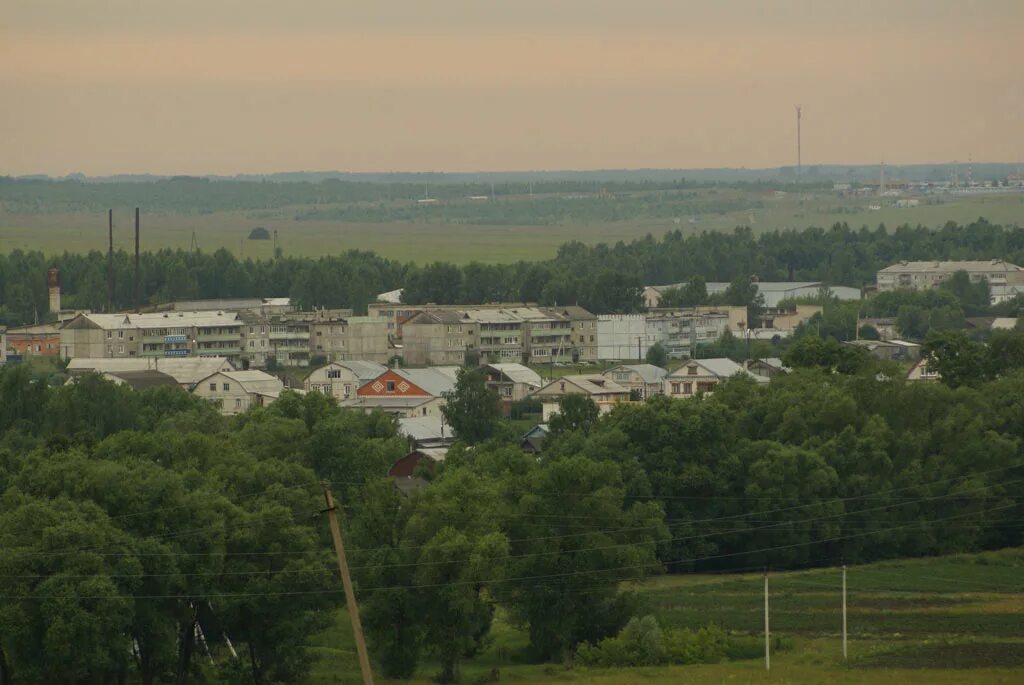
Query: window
x=109, y=334
x=263, y=343
x=691, y=370
x=591, y=338
x=120, y=349
x=687, y=388
x=238, y=403
x=227, y=386
x=334, y=373
x=213, y=387
x=675, y=388
x=506, y=391
x=252, y=329
x=348, y=390
x=252, y=344
x=390, y=386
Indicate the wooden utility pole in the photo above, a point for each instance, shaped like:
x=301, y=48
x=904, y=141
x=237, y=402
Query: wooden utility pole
x=767, y=633
x=844, y=612
x=350, y=595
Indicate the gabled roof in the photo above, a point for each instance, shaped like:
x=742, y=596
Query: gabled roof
x=594, y=385
x=435, y=380
x=649, y=373
x=186, y=370
x=363, y=370
x=255, y=382
x=425, y=429
x=140, y=380
x=722, y=368
x=517, y=373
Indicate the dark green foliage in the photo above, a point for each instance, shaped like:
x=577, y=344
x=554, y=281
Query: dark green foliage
x=603, y=278
x=471, y=408
x=259, y=233
x=576, y=412
x=657, y=355
x=830, y=355
x=642, y=642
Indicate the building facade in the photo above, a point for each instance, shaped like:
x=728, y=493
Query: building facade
x=925, y=275
x=342, y=379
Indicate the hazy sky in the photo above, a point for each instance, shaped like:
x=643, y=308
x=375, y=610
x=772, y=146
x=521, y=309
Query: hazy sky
x=226, y=86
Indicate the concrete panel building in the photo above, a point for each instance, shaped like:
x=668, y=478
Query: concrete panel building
x=925, y=275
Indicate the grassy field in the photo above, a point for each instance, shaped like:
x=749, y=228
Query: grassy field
x=947, y=620
x=435, y=239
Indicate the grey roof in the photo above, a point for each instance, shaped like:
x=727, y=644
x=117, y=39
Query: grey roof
x=385, y=403
x=721, y=368
x=184, y=370
x=255, y=382
x=593, y=384
x=435, y=379
x=364, y=370
x=140, y=380
x=425, y=428
x=517, y=373
x=649, y=373
x=175, y=319
x=927, y=267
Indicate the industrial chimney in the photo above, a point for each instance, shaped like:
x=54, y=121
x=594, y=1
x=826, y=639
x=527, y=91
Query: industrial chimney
x=53, y=283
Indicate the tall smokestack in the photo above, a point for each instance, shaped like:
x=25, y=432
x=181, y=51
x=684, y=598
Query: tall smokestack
x=53, y=284
x=137, y=301
x=110, y=260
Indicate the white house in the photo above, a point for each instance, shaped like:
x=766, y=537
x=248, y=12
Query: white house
x=342, y=379
x=604, y=392
x=703, y=376
x=237, y=391
x=646, y=380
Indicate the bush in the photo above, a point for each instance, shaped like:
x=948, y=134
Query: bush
x=643, y=643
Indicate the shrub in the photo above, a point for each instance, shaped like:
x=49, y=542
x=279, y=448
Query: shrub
x=643, y=643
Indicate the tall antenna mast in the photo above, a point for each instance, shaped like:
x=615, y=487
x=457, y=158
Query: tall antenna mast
x=799, y=159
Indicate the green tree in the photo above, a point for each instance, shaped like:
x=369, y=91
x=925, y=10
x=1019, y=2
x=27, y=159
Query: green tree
x=657, y=355
x=471, y=408
x=576, y=412
x=958, y=359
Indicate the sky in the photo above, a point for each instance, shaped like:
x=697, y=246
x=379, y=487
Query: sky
x=258, y=86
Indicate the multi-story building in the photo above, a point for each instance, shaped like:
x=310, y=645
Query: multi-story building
x=166, y=334
x=500, y=335
x=351, y=337
x=924, y=275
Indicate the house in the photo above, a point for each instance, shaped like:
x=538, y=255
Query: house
x=701, y=376
x=533, y=440
x=767, y=367
x=238, y=391
x=512, y=382
x=926, y=275
x=40, y=340
x=604, y=392
x=426, y=431
x=896, y=350
x=429, y=457
x=406, y=392
x=642, y=380
x=922, y=371
x=186, y=371
x=341, y=379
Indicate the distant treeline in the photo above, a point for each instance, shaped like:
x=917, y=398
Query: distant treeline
x=603, y=278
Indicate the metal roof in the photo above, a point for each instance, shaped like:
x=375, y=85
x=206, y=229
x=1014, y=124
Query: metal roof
x=926, y=267
x=434, y=379
x=363, y=370
x=649, y=373
x=255, y=382
x=425, y=428
x=517, y=373
x=163, y=320
x=593, y=384
x=185, y=370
